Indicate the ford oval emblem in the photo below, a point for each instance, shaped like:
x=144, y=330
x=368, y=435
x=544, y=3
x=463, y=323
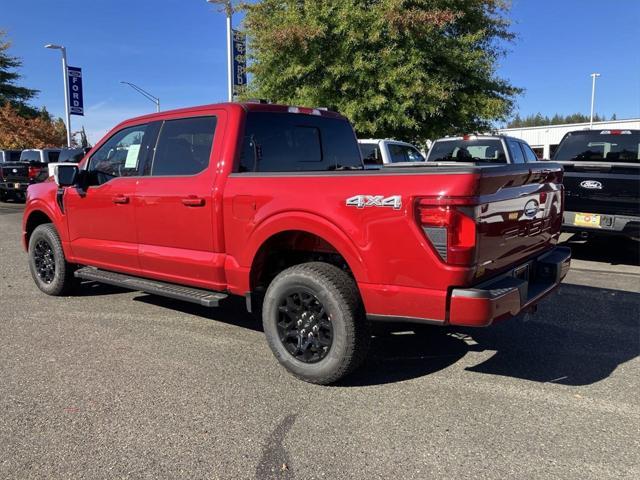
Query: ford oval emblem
x=591, y=185
x=530, y=209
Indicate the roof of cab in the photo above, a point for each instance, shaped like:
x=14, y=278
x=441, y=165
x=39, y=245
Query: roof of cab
x=247, y=106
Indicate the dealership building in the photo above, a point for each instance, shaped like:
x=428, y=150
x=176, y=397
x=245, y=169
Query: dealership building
x=545, y=139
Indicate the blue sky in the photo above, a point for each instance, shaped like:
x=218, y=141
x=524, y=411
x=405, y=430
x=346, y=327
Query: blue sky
x=175, y=49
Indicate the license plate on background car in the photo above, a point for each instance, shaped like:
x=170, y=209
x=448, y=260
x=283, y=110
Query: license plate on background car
x=16, y=186
x=587, y=220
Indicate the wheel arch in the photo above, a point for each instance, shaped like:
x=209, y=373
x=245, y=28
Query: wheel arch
x=302, y=232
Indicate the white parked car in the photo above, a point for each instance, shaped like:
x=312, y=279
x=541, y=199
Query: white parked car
x=378, y=152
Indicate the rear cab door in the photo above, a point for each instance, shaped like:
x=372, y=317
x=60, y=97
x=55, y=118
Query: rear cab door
x=176, y=207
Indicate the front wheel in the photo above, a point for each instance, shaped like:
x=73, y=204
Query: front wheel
x=314, y=322
x=49, y=268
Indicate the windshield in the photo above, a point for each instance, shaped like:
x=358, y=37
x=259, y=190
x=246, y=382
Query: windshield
x=479, y=150
x=600, y=146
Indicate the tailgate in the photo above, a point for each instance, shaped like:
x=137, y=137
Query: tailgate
x=15, y=172
x=602, y=188
x=519, y=214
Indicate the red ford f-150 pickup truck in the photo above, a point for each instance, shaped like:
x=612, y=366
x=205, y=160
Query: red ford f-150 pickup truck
x=272, y=203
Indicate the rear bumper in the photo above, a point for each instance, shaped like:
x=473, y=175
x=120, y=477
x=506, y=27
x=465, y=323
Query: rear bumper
x=618, y=224
x=511, y=292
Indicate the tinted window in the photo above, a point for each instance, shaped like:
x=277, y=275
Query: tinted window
x=184, y=146
x=516, y=153
x=30, y=156
x=478, y=150
x=404, y=153
x=529, y=154
x=599, y=146
x=371, y=154
x=53, y=156
x=13, y=155
x=118, y=156
x=289, y=142
x=73, y=155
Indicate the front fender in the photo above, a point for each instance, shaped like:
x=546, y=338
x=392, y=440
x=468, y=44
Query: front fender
x=42, y=198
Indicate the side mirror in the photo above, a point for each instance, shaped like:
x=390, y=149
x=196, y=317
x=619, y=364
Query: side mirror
x=66, y=175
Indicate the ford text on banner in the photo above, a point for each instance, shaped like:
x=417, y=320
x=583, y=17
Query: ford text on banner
x=239, y=62
x=76, y=106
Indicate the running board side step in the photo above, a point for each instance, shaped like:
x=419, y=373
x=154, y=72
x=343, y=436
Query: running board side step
x=206, y=298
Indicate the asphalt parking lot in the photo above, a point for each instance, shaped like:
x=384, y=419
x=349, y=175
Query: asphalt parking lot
x=118, y=384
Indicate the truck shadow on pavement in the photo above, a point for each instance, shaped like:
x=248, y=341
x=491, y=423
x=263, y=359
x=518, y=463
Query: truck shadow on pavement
x=578, y=337
x=612, y=250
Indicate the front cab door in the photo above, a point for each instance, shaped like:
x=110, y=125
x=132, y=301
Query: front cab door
x=101, y=213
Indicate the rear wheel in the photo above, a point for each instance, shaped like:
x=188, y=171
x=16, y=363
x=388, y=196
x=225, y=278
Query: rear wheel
x=49, y=268
x=3, y=196
x=314, y=322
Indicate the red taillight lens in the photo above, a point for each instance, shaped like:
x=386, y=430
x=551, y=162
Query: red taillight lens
x=33, y=172
x=451, y=230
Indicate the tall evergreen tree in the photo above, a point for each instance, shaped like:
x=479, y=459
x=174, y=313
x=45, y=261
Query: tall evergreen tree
x=10, y=92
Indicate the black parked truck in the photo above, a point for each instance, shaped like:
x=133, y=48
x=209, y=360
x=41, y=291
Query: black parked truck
x=602, y=181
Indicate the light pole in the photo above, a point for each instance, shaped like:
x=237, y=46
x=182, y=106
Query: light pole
x=593, y=96
x=65, y=77
x=145, y=94
x=229, y=12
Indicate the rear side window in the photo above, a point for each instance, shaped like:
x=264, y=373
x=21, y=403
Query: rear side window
x=404, y=153
x=529, y=154
x=184, y=146
x=13, y=156
x=516, y=152
x=371, y=154
x=487, y=150
x=290, y=142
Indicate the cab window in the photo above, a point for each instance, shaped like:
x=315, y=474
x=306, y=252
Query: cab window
x=516, y=153
x=291, y=142
x=404, y=153
x=118, y=156
x=184, y=146
x=371, y=155
x=529, y=154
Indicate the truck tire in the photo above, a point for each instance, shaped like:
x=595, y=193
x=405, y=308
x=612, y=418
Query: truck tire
x=314, y=322
x=50, y=270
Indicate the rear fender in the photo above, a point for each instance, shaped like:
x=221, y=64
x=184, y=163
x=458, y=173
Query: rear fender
x=296, y=221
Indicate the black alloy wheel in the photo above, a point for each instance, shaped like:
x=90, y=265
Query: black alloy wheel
x=44, y=261
x=304, y=328
x=50, y=271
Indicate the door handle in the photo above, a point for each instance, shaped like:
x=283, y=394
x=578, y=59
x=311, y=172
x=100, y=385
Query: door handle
x=193, y=201
x=122, y=199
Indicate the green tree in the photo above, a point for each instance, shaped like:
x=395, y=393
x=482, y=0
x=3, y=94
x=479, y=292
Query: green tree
x=10, y=92
x=411, y=69
x=538, y=119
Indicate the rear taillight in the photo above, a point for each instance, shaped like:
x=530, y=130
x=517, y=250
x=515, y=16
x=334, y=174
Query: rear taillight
x=34, y=172
x=451, y=229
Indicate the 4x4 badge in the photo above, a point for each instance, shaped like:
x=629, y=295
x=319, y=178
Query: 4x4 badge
x=361, y=201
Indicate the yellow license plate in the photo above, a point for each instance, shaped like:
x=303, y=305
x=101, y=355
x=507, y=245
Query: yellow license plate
x=587, y=220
